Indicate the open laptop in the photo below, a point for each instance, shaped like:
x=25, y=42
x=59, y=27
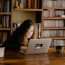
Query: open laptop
x=37, y=46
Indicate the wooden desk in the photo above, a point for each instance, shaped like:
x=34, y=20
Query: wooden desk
x=52, y=58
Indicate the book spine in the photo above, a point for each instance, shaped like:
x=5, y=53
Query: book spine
x=0, y=5
x=0, y=37
x=29, y=3
x=35, y=3
x=15, y=25
x=21, y=4
x=3, y=21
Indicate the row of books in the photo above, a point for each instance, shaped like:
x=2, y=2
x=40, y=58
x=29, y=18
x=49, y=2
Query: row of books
x=53, y=23
x=27, y=3
x=53, y=13
x=57, y=43
x=53, y=33
x=5, y=6
x=4, y=21
x=54, y=3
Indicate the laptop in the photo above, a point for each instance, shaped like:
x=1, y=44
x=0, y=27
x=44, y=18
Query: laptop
x=37, y=46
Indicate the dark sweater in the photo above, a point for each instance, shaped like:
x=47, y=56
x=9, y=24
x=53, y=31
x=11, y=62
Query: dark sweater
x=11, y=45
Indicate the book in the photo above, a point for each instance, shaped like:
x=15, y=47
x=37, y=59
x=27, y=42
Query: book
x=0, y=22
x=7, y=21
x=58, y=42
x=29, y=3
x=53, y=23
x=53, y=33
x=38, y=4
x=14, y=3
x=21, y=4
x=49, y=3
x=17, y=6
x=35, y=3
x=45, y=3
x=15, y=25
x=6, y=6
x=3, y=21
x=54, y=3
x=0, y=37
x=0, y=5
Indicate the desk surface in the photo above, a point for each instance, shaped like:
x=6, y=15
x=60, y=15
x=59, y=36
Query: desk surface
x=42, y=59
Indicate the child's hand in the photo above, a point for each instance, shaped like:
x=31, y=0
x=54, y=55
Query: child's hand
x=23, y=48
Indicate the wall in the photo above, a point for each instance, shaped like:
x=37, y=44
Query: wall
x=20, y=16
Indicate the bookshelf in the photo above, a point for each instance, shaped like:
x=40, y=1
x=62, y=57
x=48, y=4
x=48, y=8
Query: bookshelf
x=5, y=20
x=53, y=20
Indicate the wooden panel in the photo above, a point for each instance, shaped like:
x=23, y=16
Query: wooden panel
x=60, y=38
x=48, y=18
x=23, y=9
x=54, y=28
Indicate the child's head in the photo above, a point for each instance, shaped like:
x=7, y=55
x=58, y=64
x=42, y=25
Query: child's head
x=24, y=31
x=30, y=32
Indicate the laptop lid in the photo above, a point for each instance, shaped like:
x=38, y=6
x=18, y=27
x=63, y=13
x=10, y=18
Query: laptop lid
x=37, y=46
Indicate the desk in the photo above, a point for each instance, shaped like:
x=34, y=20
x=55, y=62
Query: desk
x=51, y=58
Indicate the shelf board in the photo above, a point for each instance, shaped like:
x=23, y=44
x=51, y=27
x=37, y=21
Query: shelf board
x=53, y=28
x=23, y=9
x=5, y=13
x=48, y=18
x=5, y=29
x=60, y=38
x=59, y=8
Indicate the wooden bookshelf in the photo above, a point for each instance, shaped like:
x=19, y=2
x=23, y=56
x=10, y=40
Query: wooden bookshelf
x=5, y=19
x=52, y=15
x=39, y=17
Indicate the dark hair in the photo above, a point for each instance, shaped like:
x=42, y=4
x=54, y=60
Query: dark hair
x=20, y=32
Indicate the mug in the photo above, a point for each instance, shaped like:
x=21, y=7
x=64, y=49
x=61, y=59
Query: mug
x=2, y=51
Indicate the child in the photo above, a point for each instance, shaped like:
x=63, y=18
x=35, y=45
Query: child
x=19, y=39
